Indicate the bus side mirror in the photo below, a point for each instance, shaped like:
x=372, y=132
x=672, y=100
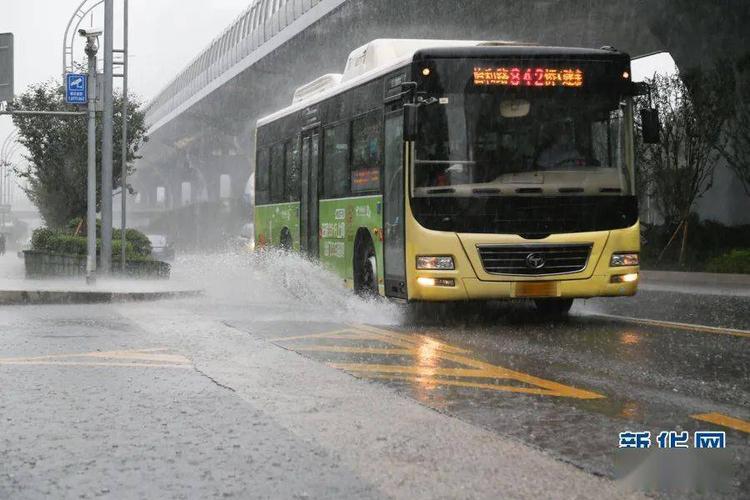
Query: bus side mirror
x=410, y=122
x=650, y=126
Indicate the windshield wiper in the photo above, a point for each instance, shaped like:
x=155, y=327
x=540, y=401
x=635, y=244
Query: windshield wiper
x=426, y=101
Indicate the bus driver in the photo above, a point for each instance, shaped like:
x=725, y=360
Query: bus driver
x=560, y=150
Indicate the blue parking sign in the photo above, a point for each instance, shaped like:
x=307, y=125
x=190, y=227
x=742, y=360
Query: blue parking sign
x=76, y=88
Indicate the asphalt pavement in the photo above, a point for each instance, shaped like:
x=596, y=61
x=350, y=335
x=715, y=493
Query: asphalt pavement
x=278, y=384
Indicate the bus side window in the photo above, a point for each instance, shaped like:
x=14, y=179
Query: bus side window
x=367, y=159
x=262, y=194
x=291, y=190
x=336, y=161
x=277, y=173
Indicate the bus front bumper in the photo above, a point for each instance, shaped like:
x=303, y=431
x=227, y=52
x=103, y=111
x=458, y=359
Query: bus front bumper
x=475, y=289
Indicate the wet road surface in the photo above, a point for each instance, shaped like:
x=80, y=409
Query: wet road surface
x=145, y=401
x=566, y=387
x=232, y=394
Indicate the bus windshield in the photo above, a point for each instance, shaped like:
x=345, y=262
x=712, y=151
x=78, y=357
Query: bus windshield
x=520, y=141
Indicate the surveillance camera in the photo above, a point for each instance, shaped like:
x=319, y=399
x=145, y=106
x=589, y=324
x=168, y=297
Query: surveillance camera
x=88, y=32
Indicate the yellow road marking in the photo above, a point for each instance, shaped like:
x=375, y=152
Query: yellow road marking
x=356, y=350
x=427, y=381
x=164, y=358
x=84, y=354
x=429, y=352
x=90, y=363
x=138, y=358
x=499, y=372
x=724, y=420
x=422, y=370
x=412, y=339
x=546, y=387
x=363, y=332
x=346, y=333
x=679, y=326
x=134, y=355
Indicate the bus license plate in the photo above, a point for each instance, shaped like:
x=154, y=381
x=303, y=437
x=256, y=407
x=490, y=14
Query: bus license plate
x=536, y=289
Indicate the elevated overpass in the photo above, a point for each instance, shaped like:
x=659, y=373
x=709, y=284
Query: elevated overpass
x=198, y=161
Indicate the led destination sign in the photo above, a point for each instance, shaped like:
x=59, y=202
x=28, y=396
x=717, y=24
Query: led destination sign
x=529, y=77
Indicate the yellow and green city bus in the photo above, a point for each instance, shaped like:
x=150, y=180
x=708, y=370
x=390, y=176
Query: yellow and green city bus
x=435, y=170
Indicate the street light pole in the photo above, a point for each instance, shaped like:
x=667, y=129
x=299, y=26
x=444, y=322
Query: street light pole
x=92, y=46
x=124, y=169
x=107, y=132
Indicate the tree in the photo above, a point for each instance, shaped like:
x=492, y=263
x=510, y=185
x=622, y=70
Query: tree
x=680, y=169
x=57, y=151
x=736, y=149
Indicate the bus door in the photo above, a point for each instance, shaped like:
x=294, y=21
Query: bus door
x=393, y=207
x=309, y=192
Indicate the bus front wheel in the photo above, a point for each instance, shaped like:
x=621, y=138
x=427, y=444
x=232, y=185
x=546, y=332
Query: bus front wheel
x=555, y=308
x=365, y=267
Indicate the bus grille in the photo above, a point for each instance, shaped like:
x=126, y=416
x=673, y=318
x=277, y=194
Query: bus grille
x=534, y=260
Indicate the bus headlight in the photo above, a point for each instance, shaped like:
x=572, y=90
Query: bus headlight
x=440, y=263
x=436, y=281
x=624, y=259
x=624, y=278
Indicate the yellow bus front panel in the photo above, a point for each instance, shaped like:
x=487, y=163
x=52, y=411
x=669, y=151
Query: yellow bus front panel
x=470, y=280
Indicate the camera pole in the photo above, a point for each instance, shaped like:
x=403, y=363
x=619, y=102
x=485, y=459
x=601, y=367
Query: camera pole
x=92, y=46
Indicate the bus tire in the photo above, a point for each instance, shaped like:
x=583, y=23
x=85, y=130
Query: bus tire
x=554, y=308
x=285, y=240
x=365, y=265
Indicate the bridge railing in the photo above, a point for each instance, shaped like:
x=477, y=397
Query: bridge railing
x=260, y=22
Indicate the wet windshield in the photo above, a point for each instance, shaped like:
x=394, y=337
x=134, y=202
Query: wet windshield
x=516, y=141
x=558, y=146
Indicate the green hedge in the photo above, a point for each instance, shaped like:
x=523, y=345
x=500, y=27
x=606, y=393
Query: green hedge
x=736, y=261
x=59, y=242
x=40, y=238
x=139, y=241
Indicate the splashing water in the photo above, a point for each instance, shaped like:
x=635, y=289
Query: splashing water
x=286, y=285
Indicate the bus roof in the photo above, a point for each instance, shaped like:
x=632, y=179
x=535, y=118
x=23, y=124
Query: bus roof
x=381, y=56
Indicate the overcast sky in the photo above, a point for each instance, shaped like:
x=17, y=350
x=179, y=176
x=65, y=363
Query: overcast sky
x=164, y=36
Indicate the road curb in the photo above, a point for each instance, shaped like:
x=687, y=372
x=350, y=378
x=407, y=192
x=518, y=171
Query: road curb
x=679, y=277
x=41, y=297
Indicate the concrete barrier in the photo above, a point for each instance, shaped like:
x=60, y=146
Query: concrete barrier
x=54, y=265
x=39, y=297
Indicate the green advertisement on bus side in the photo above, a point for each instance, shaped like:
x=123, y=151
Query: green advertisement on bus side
x=272, y=222
x=340, y=220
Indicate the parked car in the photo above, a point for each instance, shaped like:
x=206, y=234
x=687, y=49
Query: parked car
x=161, y=249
